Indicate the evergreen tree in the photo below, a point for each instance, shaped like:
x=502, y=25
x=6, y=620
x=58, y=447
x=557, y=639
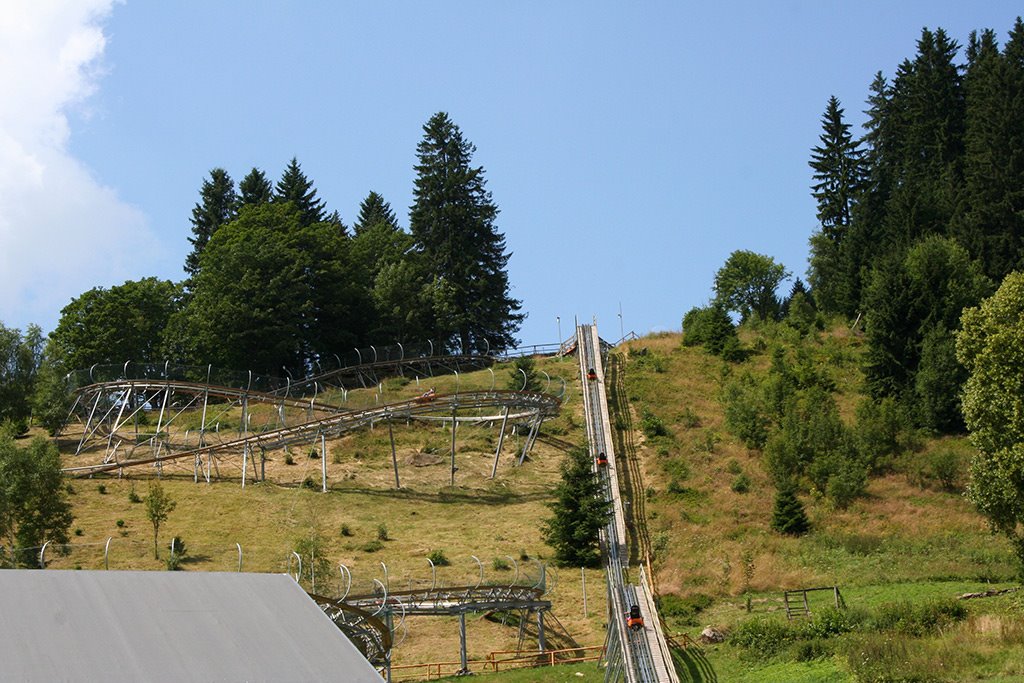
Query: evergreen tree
x=992, y=227
x=255, y=188
x=789, y=517
x=296, y=188
x=374, y=210
x=453, y=220
x=838, y=174
x=218, y=205
x=580, y=511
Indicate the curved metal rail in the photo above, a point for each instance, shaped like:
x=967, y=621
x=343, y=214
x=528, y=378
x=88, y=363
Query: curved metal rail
x=538, y=404
x=637, y=656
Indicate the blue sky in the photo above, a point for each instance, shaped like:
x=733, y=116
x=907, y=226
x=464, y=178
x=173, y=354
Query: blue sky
x=630, y=147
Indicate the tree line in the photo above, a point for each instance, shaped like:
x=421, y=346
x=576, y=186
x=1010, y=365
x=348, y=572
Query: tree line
x=275, y=281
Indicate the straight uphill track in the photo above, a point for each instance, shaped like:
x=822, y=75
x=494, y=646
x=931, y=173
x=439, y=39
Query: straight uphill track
x=636, y=655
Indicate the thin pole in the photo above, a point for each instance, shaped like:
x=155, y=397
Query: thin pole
x=462, y=642
x=394, y=456
x=501, y=440
x=454, y=424
x=583, y=577
x=323, y=460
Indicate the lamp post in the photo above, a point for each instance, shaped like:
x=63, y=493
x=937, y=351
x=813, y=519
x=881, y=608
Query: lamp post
x=558, y=321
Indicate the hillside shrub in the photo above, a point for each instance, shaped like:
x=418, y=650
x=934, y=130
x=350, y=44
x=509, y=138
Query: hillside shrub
x=683, y=609
x=745, y=415
x=652, y=425
x=919, y=618
x=372, y=546
x=764, y=636
x=438, y=558
x=741, y=484
x=945, y=467
x=881, y=431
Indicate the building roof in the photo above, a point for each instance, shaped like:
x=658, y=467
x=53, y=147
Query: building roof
x=168, y=626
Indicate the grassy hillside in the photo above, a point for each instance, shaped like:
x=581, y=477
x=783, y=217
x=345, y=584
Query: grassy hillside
x=701, y=504
x=709, y=503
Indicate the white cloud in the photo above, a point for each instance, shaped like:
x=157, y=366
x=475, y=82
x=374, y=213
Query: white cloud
x=61, y=230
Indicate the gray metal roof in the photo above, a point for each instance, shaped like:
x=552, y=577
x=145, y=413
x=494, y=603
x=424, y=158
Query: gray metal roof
x=168, y=626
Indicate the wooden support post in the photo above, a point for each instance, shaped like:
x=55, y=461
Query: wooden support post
x=540, y=631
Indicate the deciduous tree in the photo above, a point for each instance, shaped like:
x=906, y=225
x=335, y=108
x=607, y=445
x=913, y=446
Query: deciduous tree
x=33, y=502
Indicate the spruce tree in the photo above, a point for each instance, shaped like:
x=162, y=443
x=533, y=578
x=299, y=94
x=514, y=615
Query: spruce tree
x=453, y=221
x=218, y=205
x=789, y=517
x=374, y=210
x=992, y=227
x=838, y=175
x=255, y=188
x=580, y=511
x=296, y=188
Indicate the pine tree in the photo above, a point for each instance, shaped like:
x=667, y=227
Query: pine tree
x=295, y=187
x=838, y=172
x=452, y=220
x=372, y=211
x=255, y=188
x=218, y=205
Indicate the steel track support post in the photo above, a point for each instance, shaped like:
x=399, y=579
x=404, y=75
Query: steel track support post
x=528, y=443
x=540, y=631
x=501, y=440
x=454, y=425
x=245, y=459
x=88, y=423
x=462, y=644
x=117, y=421
x=323, y=460
x=394, y=455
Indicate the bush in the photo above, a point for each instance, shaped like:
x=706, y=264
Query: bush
x=102, y=489
x=346, y=530
x=288, y=459
x=134, y=497
x=651, y=424
x=944, y=466
x=741, y=484
x=765, y=637
x=745, y=415
x=372, y=546
x=685, y=610
x=120, y=523
x=689, y=418
x=309, y=483
x=438, y=558
x=918, y=619
x=500, y=565
x=382, y=532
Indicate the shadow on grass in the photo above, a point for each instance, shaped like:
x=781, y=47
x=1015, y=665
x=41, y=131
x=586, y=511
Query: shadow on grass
x=692, y=666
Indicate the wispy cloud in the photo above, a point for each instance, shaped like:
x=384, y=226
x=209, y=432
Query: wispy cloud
x=61, y=230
